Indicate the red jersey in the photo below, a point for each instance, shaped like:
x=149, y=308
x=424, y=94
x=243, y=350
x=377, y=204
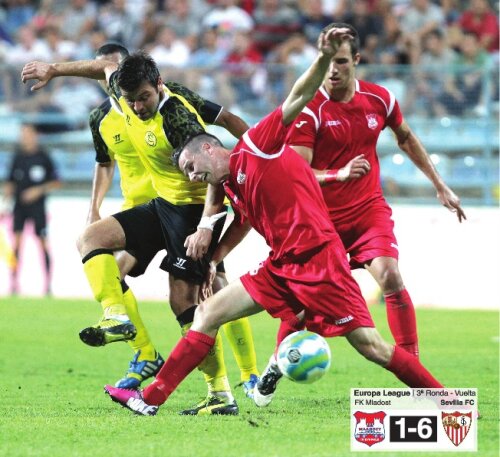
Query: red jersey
x=337, y=132
x=276, y=190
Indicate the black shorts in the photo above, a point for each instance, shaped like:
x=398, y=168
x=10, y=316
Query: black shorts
x=158, y=225
x=36, y=213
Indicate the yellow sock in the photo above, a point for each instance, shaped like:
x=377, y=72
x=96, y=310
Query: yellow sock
x=239, y=334
x=103, y=276
x=141, y=342
x=213, y=367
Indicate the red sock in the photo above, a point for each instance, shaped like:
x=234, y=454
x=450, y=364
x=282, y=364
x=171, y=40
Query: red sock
x=184, y=358
x=287, y=328
x=408, y=369
x=402, y=320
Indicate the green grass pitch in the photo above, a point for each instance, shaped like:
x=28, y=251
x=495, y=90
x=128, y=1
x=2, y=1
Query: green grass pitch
x=52, y=402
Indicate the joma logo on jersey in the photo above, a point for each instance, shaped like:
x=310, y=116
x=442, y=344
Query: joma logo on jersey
x=127, y=120
x=117, y=138
x=150, y=139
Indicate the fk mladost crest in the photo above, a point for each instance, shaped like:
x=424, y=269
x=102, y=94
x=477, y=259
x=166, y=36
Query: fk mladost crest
x=150, y=139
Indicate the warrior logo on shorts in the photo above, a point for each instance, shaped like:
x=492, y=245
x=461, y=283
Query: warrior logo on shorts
x=369, y=427
x=372, y=121
x=150, y=139
x=456, y=425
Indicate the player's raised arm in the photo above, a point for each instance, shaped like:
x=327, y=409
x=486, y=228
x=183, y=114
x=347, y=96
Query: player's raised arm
x=306, y=86
x=43, y=72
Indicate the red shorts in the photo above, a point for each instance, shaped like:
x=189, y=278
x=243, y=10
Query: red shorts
x=322, y=285
x=368, y=233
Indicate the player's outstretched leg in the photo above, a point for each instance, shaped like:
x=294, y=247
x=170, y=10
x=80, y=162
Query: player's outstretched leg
x=268, y=382
x=219, y=399
x=146, y=361
x=239, y=335
x=103, y=275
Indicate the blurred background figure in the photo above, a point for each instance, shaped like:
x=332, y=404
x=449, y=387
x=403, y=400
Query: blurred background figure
x=32, y=176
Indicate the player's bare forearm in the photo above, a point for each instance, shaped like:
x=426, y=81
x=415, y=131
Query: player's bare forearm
x=306, y=86
x=411, y=145
x=103, y=177
x=231, y=238
x=232, y=123
x=43, y=72
x=414, y=149
x=214, y=201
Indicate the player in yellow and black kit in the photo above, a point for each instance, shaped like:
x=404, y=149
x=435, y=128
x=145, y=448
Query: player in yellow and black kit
x=157, y=121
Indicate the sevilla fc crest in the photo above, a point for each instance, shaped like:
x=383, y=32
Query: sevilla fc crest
x=456, y=425
x=369, y=427
x=372, y=121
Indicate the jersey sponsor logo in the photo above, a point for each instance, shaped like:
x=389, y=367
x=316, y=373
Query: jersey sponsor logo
x=117, y=138
x=241, y=177
x=344, y=320
x=150, y=139
x=332, y=123
x=372, y=121
x=300, y=124
x=180, y=262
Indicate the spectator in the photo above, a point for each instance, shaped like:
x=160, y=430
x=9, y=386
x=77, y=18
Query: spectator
x=18, y=14
x=368, y=25
x=422, y=17
x=312, y=19
x=204, y=75
x=59, y=48
x=118, y=24
x=27, y=47
x=229, y=19
x=437, y=58
x=482, y=21
x=242, y=65
x=182, y=19
x=274, y=23
x=32, y=176
x=78, y=19
x=169, y=51
x=462, y=93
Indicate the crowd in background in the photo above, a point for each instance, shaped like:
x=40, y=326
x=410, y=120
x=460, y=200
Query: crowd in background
x=216, y=46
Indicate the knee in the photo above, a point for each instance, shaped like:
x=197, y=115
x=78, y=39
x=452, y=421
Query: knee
x=204, y=320
x=390, y=280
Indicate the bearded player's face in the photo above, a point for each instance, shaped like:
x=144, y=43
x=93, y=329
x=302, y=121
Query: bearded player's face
x=144, y=100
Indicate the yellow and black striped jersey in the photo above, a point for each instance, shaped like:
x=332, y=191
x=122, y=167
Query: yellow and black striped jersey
x=181, y=114
x=111, y=142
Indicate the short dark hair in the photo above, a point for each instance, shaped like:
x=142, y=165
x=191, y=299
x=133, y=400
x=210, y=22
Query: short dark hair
x=135, y=69
x=111, y=48
x=193, y=142
x=355, y=44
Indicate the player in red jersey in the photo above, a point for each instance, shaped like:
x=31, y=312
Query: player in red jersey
x=274, y=190
x=337, y=133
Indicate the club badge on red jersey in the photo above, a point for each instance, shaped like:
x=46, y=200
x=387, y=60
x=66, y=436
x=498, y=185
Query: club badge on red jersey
x=372, y=121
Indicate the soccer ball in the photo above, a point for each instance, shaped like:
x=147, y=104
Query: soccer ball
x=304, y=357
